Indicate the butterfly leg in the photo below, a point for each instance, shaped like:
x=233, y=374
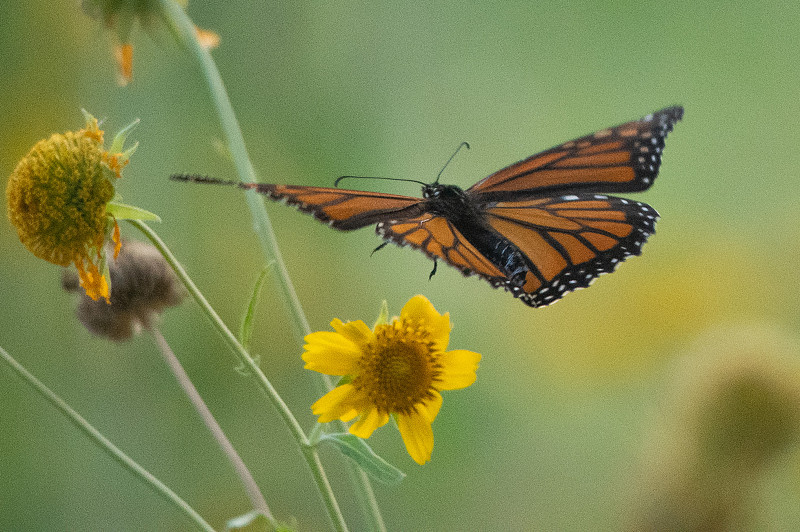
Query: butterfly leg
x=433, y=271
x=378, y=248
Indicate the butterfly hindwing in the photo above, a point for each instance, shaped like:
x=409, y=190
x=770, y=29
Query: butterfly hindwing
x=568, y=241
x=538, y=249
x=439, y=239
x=625, y=158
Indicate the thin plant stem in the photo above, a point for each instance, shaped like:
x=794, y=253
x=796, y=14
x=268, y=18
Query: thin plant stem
x=101, y=441
x=184, y=30
x=309, y=451
x=250, y=486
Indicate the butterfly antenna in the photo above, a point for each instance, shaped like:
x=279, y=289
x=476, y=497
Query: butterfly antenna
x=462, y=145
x=340, y=178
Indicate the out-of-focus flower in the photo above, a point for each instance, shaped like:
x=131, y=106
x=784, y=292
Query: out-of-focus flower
x=121, y=16
x=60, y=201
x=144, y=285
x=395, y=369
x=735, y=408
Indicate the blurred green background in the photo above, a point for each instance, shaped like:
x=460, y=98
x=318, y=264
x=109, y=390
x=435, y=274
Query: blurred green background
x=555, y=432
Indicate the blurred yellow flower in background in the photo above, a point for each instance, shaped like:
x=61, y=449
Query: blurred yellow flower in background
x=396, y=368
x=120, y=15
x=733, y=412
x=58, y=200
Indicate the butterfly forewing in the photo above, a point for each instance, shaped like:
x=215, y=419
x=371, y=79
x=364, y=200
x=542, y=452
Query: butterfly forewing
x=345, y=210
x=625, y=158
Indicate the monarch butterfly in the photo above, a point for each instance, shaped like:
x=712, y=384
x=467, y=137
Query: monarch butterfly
x=540, y=227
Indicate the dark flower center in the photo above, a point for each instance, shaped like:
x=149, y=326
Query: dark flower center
x=398, y=368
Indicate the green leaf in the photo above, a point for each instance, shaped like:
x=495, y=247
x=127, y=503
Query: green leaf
x=383, y=317
x=246, y=329
x=119, y=139
x=121, y=211
x=245, y=520
x=362, y=454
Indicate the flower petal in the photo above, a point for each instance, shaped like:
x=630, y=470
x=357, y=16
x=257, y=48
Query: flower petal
x=355, y=331
x=420, y=308
x=93, y=282
x=117, y=240
x=457, y=369
x=369, y=421
x=430, y=408
x=417, y=435
x=123, y=54
x=340, y=403
x=330, y=353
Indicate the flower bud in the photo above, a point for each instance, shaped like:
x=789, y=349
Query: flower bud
x=144, y=285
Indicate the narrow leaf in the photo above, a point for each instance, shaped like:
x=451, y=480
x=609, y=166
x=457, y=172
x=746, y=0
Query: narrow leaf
x=362, y=454
x=119, y=138
x=383, y=317
x=245, y=520
x=246, y=329
x=122, y=211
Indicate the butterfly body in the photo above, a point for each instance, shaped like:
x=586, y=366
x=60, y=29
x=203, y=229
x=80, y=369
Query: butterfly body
x=467, y=216
x=540, y=227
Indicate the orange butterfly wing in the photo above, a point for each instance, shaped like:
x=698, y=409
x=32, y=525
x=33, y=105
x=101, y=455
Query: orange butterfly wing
x=566, y=242
x=538, y=227
x=538, y=249
x=625, y=158
x=438, y=238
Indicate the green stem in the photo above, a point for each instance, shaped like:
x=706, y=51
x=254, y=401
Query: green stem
x=102, y=442
x=249, y=483
x=266, y=386
x=184, y=30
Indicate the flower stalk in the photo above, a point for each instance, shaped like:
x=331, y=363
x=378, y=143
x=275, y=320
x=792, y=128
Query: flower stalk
x=253, y=492
x=185, y=32
x=101, y=441
x=309, y=452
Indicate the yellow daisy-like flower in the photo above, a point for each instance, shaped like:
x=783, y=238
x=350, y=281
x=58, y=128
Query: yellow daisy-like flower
x=397, y=368
x=58, y=200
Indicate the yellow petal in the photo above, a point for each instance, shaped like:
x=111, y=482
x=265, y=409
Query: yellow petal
x=93, y=282
x=341, y=402
x=117, y=240
x=355, y=331
x=457, y=369
x=430, y=408
x=417, y=435
x=330, y=353
x=369, y=421
x=419, y=308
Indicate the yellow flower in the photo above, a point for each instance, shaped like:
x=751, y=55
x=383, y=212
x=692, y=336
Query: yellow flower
x=59, y=197
x=398, y=368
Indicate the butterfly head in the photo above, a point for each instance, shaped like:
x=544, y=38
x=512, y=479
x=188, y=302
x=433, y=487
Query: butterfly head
x=446, y=200
x=446, y=193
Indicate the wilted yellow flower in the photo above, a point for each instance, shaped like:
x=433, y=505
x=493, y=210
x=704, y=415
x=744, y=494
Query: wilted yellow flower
x=58, y=200
x=397, y=368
